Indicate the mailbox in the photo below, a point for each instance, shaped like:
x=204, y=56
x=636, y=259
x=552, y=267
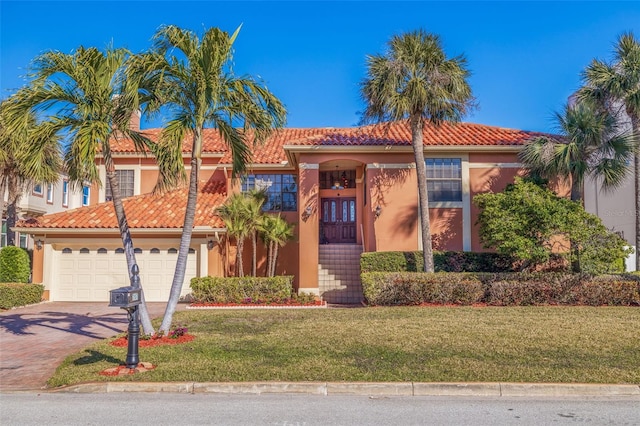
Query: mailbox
x=124, y=297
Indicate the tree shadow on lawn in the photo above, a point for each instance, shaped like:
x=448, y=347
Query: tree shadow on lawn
x=94, y=357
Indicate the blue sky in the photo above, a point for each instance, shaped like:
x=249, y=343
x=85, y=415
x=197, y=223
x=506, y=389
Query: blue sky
x=525, y=57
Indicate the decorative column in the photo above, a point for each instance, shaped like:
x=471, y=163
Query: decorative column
x=308, y=231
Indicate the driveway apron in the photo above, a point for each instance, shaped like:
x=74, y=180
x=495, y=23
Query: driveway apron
x=35, y=339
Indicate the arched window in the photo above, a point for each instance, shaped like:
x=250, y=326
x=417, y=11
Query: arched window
x=191, y=251
x=119, y=250
x=154, y=251
x=67, y=250
x=102, y=251
x=137, y=250
x=172, y=251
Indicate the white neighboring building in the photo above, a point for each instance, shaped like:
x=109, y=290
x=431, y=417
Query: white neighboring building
x=44, y=199
x=616, y=208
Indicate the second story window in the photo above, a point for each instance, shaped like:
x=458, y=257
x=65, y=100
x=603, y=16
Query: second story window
x=49, y=193
x=65, y=193
x=281, y=190
x=444, y=179
x=37, y=189
x=86, y=195
x=125, y=182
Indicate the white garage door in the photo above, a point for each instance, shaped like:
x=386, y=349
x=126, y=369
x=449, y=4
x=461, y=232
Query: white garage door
x=87, y=275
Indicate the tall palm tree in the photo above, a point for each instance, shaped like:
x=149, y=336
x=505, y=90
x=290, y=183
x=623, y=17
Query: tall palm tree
x=192, y=77
x=275, y=232
x=615, y=86
x=592, y=143
x=416, y=82
x=29, y=155
x=87, y=102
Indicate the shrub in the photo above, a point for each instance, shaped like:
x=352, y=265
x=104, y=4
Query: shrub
x=447, y=261
x=14, y=265
x=607, y=290
x=503, y=289
x=19, y=294
x=406, y=288
x=242, y=289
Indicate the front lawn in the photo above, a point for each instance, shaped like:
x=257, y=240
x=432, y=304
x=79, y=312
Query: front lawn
x=434, y=344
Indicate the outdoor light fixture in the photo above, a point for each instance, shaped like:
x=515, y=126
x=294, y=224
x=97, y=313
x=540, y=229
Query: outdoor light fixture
x=378, y=211
x=39, y=243
x=210, y=244
x=307, y=213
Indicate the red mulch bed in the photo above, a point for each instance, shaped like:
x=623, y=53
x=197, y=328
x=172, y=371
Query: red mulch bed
x=155, y=341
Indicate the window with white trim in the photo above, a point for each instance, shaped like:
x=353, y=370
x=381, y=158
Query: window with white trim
x=65, y=193
x=444, y=179
x=86, y=195
x=3, y=236
x=281, y=190
x=23, y=240
x=49, y=193
x=37, y=189
x=126, y=182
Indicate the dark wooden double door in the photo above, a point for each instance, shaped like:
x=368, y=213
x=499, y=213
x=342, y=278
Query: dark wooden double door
x=338, y=224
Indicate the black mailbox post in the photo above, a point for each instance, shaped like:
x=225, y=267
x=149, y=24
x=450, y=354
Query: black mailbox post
x=128, y=298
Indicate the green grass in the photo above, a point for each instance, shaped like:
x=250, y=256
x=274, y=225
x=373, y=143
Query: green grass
x=441, y=344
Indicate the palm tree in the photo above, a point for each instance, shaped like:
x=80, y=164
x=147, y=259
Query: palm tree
x=616, y=86
x=192, y=78
x=416, y=82
x=86, y=101
x=591, y=143
x=255, y=200
x=29, y=155
x=275, y=232
x=234, y=214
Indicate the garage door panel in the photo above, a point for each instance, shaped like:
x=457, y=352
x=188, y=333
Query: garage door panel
x=89, y=276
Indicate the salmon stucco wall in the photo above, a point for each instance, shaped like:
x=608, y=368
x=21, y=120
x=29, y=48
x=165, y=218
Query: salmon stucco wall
x=393, y=189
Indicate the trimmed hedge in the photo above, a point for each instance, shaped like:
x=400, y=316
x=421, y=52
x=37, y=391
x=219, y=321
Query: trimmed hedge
x=15, y=266
x=242, y=289
x=446, y=261
x=19, y=294
x=504, y=289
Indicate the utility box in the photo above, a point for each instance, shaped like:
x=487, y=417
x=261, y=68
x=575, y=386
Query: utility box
x=124, y=297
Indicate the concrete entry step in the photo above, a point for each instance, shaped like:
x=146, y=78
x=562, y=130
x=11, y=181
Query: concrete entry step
x=339, y=273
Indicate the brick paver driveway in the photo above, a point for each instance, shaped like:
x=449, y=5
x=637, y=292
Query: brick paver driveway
x=35, y=339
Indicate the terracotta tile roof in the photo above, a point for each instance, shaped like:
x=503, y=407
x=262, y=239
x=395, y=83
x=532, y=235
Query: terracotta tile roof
x=399, y=134
x=396, y=134
x=143, y=211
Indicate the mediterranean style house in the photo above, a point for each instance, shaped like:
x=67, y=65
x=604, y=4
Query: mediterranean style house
x=347, y=190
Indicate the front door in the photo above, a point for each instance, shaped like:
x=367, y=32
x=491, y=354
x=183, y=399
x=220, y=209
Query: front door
x=338, y=224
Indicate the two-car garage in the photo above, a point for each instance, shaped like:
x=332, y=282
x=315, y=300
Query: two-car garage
x=81, y=274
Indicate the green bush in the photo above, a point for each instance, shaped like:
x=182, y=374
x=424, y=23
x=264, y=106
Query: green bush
x=446, y=261
x=607, y=290
x=242, y=289
x=407, y=288
x=19, y=294
x=500, y=289
x=14, y=265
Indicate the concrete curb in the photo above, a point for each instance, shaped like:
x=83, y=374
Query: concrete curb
x=365, y=388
